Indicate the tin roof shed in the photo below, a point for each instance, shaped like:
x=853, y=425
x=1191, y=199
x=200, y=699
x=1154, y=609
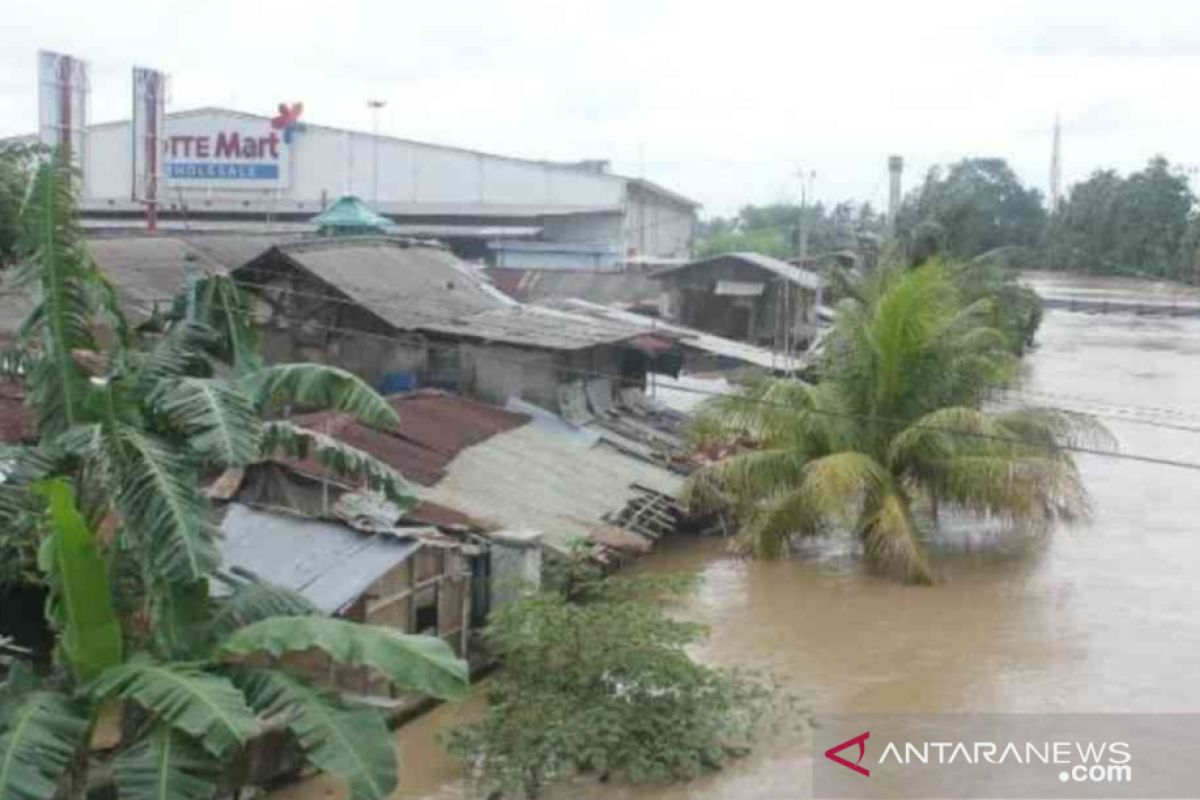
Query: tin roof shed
x=328, y=563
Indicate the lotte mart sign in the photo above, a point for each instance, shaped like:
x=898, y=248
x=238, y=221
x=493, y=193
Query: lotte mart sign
x=229, y=151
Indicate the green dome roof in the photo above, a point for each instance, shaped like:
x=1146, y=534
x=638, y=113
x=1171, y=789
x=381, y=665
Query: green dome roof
x=349, y=215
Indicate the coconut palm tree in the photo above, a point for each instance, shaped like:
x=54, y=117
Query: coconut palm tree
x=893, y=434
x=127, y=427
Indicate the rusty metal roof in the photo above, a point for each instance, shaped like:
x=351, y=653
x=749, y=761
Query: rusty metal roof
x=434, y=428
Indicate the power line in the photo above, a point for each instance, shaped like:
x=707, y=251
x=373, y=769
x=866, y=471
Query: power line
x=1163, y=410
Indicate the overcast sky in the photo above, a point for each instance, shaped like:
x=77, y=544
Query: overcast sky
x=722, y=101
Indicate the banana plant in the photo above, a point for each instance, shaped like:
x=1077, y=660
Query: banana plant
x=128, y=424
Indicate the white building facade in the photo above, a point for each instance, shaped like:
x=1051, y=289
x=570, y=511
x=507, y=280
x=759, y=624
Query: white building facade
x=226, y=167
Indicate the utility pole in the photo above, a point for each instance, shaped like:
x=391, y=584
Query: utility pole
x=1056, y=167
x=806, y=178
x=895, y=171
x=375, y=106
x=192, y=282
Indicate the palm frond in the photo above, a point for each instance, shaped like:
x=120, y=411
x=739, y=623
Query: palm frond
x=254, y=601
x=178, y=353
x=764, y=410
x=216, y=416
x=772, y=524
x=158, y=498
x=40, y=733
x=837, y=486
x=892, y=541
x=830, y=492
x=165, y=766
x=202, y=705
x=23, y=465
x=1036, y=490
x=352, y=744
x=744, y=477
x=317, y=386
x=78, y=576
x=1054, y=428
x=942, y=434
x=21, y=518
x=228, y=310
x=19, y=359
x=61, y=321
x=337, y=457
x=81, y=441
x=422, y=664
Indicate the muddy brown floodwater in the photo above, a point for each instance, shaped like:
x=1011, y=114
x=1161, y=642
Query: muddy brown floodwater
x=1099, y=617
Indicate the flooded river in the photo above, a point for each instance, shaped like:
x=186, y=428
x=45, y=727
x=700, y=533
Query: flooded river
x=1104, y=616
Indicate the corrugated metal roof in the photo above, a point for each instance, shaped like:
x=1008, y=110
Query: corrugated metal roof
x=536, y=326
x=416, y=286
x=402, y=282
x=688, y=337
x=148, y=270
x=329, y=563
x=789, y=272
x=625, y=287
x=434, y=428
x=529, y=478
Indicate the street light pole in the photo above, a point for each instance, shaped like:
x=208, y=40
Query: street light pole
x=806, y=178
x=375, y=106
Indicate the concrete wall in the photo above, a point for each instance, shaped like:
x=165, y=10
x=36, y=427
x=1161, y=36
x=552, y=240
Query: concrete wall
x=494, y=373
x=658, y=226
x=516, y=565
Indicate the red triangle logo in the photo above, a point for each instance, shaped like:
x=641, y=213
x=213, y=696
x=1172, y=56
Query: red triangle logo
x=861, y=741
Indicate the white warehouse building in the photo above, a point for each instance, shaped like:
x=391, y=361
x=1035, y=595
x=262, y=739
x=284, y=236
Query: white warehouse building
x=223, y=169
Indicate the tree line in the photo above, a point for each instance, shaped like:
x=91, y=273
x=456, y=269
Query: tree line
x=1142, y=224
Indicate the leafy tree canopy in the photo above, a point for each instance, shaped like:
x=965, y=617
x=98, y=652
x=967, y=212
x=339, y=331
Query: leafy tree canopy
x=969, y=208
x=597, y=679
x=775, y=229
x=1140, y=224
x=892, y=432
x=110, y=500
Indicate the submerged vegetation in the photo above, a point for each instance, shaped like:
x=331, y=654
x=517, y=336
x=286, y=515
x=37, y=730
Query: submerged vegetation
x=597, y=680
x=894, y=433
x=110, y=499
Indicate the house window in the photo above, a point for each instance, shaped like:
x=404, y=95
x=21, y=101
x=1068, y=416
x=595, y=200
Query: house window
x=425, y=611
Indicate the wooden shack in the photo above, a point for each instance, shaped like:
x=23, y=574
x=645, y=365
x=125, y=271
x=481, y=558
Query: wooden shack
x=745, y=296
